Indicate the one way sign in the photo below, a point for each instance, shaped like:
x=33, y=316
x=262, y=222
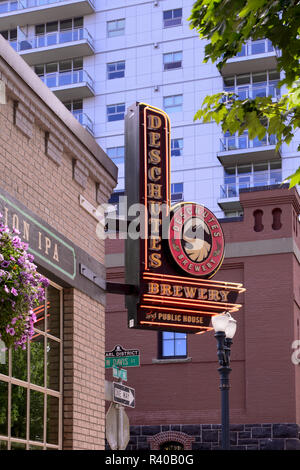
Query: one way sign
x=123, y=395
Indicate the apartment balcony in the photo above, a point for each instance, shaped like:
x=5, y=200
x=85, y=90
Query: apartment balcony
x=56, y=46
x=241, y=150
x=229, y=193
x=255, y=56
x=229, y=198
x=84, y=120
x=67, y=86
x=15, y=13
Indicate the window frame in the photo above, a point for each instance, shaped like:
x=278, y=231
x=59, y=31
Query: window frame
x=120, y=31
x=171, y=22
x=176, y=108
x=117, y=157
x=180, y=148
x=115, y=72
x=161, y=340
x=177, y=64
x=115, y=113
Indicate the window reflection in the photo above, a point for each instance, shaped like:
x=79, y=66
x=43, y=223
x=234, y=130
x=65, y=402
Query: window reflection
x=3, y=407
x=37, y=359
x=18, y=411
x=36, y=415
x=52, y=419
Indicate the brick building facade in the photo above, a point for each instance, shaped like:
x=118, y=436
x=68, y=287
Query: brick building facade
x=178, y=399
x=53, y=176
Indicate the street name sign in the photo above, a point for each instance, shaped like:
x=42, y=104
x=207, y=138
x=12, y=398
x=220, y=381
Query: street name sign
x=123, y=395
x=121, y=357
x=120, y=373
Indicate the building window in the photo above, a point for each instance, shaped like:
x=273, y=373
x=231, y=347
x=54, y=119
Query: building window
x=116, y=70
x=31, y=384
x=176, y=147
x=172, y=60
x=173, y=103
x=115, y=112
x=75, y=107
x=172, y=345
x=116, y=154
x=115, y=28
x=172, y=17
x=176, y=192
x=11, y=36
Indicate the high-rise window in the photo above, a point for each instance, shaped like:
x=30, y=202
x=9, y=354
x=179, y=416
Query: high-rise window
x=172, y=17
x=115, y=112
x=11, y=36
x=116, y=70
x=115, y=28
x=116, y=154
x=172, y=345
x=176, y=192
x=173, y=103
x=176, y=147
x=172, y=60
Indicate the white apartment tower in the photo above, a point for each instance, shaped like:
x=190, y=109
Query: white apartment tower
x=100, y=56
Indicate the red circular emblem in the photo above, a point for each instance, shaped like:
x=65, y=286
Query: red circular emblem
x=196, y=239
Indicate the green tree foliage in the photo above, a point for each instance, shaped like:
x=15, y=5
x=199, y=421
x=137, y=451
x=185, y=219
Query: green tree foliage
x=227, y=25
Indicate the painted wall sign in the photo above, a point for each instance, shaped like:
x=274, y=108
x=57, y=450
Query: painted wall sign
x=56, y=256
x=182, y=247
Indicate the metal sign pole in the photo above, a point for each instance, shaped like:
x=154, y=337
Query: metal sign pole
x=120, y=426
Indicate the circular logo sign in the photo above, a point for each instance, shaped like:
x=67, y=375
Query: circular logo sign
x=196, y=239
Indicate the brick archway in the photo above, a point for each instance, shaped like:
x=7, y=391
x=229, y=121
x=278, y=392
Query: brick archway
x=158, y=439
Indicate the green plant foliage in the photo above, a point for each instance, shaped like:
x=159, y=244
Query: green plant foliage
x=228, y=24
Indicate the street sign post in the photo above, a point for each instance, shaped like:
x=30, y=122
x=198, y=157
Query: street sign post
x=123, y=395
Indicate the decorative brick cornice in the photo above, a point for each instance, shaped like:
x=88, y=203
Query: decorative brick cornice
x=53, y=148
x=23, y=119
x=80, y=173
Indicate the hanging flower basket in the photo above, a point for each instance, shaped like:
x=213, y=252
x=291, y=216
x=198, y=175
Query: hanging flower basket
x=21, y=289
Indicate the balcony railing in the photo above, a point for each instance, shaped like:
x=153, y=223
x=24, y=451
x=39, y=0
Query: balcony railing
x=84, y=120
x=261, y=90
x=232, y=190
x=235, y=142
x=63, y=79
x=14, y=5
x=260, y=46
x=57, y=37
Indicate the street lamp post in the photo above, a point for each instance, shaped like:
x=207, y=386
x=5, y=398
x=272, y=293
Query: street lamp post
x=225, y=328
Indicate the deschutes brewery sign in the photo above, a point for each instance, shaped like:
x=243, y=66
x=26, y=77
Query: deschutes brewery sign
x=196, y=240
x=181, y=248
